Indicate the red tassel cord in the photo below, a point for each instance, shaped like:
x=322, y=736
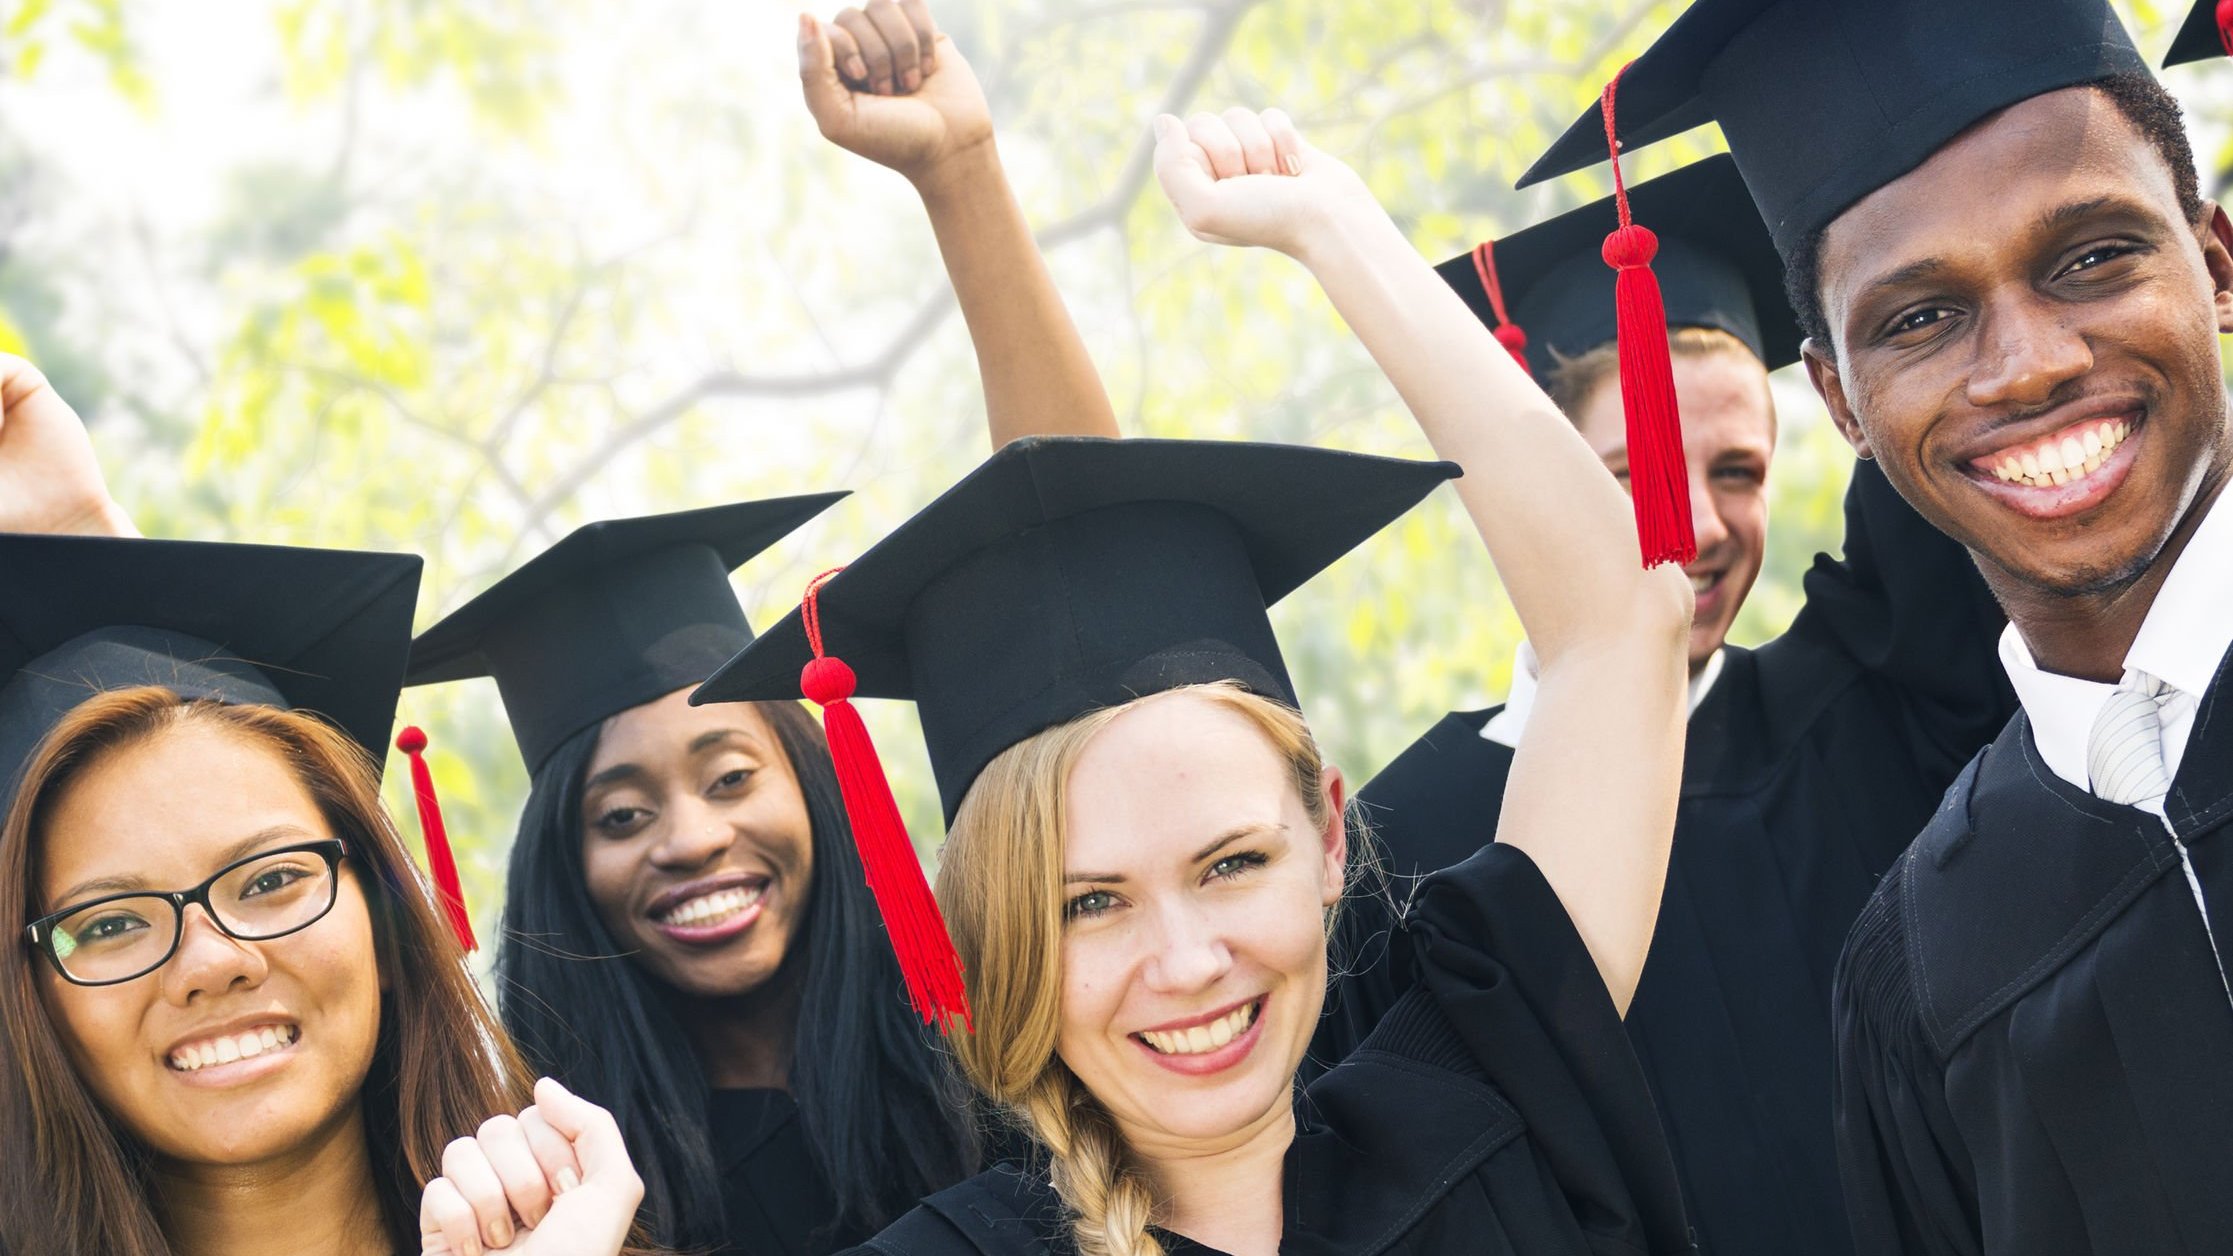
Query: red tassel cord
x=1658, y=479
x=2225, y=26
x=924, y=948
x=439, y=861
x=1507, y=332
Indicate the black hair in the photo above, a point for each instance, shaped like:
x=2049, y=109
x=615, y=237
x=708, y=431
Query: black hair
x=2143, y=101
x=876, y=1097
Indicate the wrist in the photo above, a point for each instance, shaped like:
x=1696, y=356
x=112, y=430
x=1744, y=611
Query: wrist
x=970, y=171
x=1338, y=228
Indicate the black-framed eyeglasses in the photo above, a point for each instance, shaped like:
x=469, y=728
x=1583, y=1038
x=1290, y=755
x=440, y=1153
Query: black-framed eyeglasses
x=119, y=937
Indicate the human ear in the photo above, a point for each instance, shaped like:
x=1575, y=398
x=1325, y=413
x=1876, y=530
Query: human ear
x=1822, y=371
x=2216, y=238
x=1335, y=840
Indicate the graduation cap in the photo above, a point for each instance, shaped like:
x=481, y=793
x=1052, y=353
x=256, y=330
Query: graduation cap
x=616, y=614
x=1823, y=103
x=1063, y=575
x=324, y=631
x=1716, y=267
x=2207, y=32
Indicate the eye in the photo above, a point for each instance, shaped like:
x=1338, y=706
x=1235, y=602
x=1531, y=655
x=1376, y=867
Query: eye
x=2099, y=255
x=108, y=928
x=1089, y=904
x=1917, y=320
x=272, y=880
x=733, y=780
x=1232, y=866
x=618, y=821
x=1738, y=475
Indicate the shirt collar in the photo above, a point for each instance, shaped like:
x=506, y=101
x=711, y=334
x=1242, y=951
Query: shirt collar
x=2183, y=639
x=1504, y=727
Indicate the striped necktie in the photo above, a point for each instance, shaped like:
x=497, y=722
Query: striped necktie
x=2124, y=756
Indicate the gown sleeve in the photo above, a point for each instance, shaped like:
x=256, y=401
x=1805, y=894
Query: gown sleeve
x=1907, y=604
x=1496, y=951
x=1907, y=1187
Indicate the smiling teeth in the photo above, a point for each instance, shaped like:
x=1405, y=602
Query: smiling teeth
x=1198, y=1039
x=2060, y=460
x=709, y=909
x=195, y=1056
x=1702, y=584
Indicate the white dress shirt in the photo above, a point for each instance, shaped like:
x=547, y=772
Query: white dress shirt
x=2185, y=636
x=1504, y=727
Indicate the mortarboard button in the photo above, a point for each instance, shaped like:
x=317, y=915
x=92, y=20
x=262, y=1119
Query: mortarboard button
x=614, y=615
x=1063, y=575
x=1823, y=103
x=1716, y=266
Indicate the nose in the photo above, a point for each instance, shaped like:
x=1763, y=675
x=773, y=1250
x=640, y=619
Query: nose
x=2026, y=352
x=1190, y=953
x=208, y=962
x=1706, y=522
x=696, y=834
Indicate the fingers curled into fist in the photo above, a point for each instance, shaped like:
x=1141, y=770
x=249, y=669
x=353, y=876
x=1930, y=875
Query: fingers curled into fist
x=554, y=1180
x=886, y=47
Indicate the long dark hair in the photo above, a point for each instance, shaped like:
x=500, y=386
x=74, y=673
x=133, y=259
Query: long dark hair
x=73, y=1179
x=884, y=1122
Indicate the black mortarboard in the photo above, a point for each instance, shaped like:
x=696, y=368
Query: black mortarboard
x=2207, y=32
x=1069, y=573
x=302, y=629
x=1063, y=575
x=1716, y=268
x=614, y=615
x=1823, y=103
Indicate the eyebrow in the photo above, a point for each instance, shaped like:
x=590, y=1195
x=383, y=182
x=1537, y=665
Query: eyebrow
x=2057, y=218
x=2070, y=212
x=237, y=851
x=718, y=736
x=1224, y=840
x=630, y=771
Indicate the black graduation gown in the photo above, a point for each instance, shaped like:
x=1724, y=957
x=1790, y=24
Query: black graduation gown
x=1496, y=1111
x=1809, y=766
x=2035, y=1042
x=777, y=1200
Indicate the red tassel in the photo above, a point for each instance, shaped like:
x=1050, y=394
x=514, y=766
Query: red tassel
x=1507, y=332
x=925, y=950
x=2225, y=26
x=1658, y=479
x=439, y=861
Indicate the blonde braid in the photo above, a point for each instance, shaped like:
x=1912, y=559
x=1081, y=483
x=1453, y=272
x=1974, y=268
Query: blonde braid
x=1110, y=1200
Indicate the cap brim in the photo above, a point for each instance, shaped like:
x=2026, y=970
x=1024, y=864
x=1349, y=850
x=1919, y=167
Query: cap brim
x=451, y=649
x=1296, y=508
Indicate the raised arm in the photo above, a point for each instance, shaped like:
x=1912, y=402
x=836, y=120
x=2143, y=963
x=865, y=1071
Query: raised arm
x=49, y=479
x=1591, y=797
x=886, y=84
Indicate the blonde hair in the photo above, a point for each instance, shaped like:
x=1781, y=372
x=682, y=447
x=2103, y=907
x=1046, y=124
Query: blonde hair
x=1574, y=379
x=1000, y=886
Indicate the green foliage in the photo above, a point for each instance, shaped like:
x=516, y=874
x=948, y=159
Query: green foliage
x=99, y=29
x=515, y=264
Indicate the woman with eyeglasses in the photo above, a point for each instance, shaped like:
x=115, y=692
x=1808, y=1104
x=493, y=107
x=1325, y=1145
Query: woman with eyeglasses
x=232, y=1019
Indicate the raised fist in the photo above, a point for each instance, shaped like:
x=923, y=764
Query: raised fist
x=49, y=480
x=882, y=82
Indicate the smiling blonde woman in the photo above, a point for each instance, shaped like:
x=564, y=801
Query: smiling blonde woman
x=1145, y=845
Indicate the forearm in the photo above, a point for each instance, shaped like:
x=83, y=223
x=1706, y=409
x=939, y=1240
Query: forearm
x=1592, y=793
x=1557, y=526
x=1037, y=376
x=1610, y=635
